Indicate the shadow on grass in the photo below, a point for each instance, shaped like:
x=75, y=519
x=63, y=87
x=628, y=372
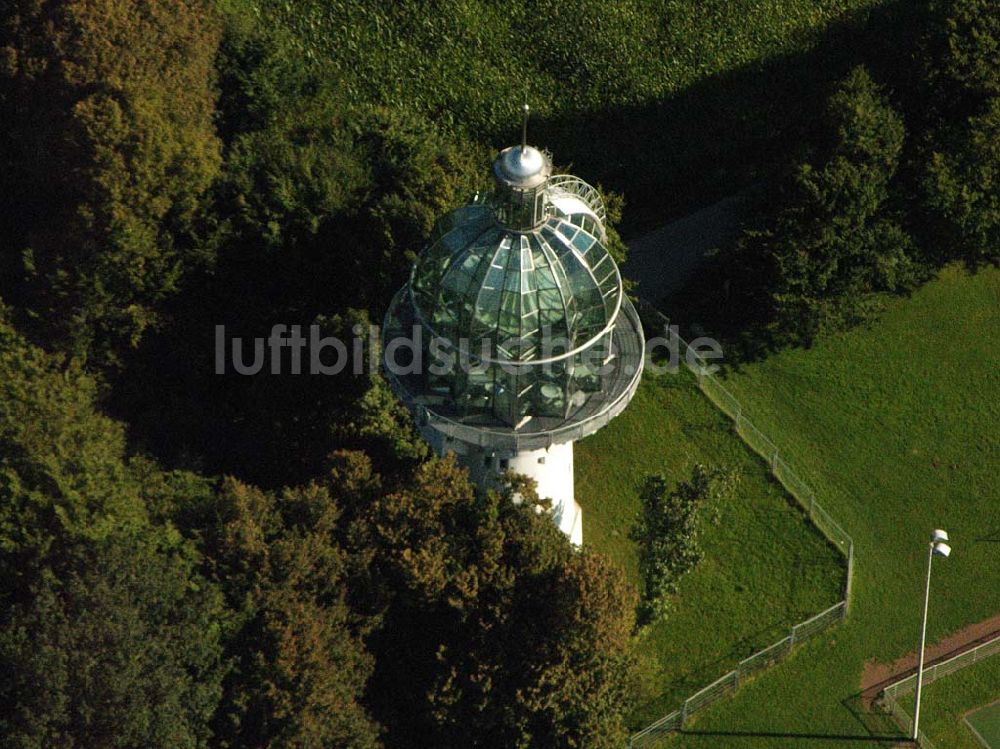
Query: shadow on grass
x=668, y=157
x=705, y=672
x=869, y=717
x=887, y=739
x=715, y=137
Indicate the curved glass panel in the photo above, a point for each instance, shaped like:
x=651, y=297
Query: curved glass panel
x=519, y=296
x=509, y=306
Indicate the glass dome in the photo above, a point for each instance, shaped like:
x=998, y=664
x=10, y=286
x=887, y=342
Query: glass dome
x=519, y=293
x=504, y=294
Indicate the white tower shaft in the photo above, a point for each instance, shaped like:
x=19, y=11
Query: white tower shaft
x=550, y=467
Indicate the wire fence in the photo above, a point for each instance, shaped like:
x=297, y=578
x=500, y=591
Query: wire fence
x=889, y=697
x=716, y=392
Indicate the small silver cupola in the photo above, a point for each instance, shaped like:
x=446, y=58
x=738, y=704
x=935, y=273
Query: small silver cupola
x=521, y=172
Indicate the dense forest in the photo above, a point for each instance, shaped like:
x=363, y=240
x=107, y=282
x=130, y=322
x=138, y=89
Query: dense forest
x=193, y=560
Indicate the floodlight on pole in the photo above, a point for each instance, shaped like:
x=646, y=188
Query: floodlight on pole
x=937, y=547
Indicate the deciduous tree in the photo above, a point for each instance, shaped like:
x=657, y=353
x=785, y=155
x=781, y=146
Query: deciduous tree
x=833, y=237
x=109, y=636
x=494, y=631
x=963, y=187
x=108, y=146
x=298, y=663
x=668, y=531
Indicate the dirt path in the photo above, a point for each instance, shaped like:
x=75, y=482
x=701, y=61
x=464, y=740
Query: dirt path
x=877, y=676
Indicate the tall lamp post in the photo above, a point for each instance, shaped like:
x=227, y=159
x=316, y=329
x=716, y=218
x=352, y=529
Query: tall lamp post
x=937, y=546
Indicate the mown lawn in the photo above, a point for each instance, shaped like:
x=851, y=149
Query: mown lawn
x=765, y=566
x=946, y=702
x=897, y=427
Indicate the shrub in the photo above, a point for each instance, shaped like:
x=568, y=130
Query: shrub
x=833, y=238
x=963, y=188
x=668, y=530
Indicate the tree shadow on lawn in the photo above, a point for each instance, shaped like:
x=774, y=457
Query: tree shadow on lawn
x=707, y=671
x=878, y=726
x=729, y=132
x=887, y=739
x=669, y=157
x=723, y=133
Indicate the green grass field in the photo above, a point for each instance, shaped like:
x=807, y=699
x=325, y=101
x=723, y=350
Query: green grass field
x=985, y=724
x=967, y=695
x=896, y=428
x=765, y=568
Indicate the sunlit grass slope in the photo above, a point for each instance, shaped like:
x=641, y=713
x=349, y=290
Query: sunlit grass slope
x=765, y=566
x=897, y=427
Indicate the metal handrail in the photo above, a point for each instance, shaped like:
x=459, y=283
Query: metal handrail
x=569, y=185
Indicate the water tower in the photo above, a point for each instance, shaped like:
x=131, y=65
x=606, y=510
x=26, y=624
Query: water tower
x=526, y=339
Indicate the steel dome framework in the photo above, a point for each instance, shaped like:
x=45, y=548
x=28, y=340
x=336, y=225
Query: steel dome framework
x=518, y=291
